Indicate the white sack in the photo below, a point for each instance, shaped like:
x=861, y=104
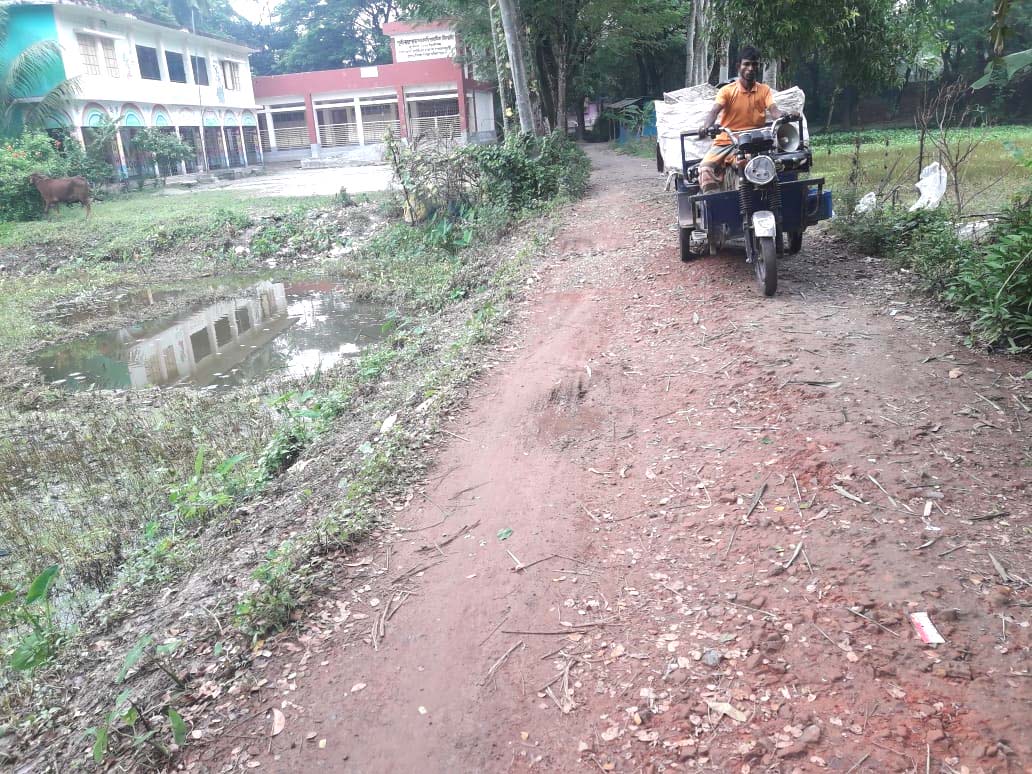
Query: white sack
x=685, y=110
x=867, y=203
x=932, y=186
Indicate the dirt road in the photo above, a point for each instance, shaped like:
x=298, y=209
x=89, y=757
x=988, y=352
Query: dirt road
x=683, y=527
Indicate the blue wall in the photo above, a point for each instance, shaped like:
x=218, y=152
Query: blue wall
x=28, y=24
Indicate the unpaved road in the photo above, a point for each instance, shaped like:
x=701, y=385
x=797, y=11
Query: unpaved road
x=637, y=410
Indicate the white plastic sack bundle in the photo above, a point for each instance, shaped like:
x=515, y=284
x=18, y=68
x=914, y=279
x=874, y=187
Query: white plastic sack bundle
x=932, y=186
x=867, y=203
x=685, y=110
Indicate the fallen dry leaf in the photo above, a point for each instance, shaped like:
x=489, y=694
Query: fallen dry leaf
x=278, y=722
x=723, y=708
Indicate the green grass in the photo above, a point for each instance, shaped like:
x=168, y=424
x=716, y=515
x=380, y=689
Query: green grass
x=138, y=225
x=888, y=159
x=18, y=326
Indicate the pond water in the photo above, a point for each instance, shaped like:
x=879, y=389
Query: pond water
x=269, y=327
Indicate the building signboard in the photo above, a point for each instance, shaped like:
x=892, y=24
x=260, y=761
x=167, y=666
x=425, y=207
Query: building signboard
x=434, y=45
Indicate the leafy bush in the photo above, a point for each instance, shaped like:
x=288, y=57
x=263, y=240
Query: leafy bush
x=39, y=644
x=988, y=282
x=994, y=289
x=523, y=172
x=19, y=158
x=165, y=148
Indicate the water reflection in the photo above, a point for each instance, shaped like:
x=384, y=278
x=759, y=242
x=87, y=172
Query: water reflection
x=269, y=327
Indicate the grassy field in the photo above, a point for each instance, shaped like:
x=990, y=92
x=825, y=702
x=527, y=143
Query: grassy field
x=134, y=226
x=886, y=160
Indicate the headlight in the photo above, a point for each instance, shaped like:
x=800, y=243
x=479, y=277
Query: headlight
x=760, y=170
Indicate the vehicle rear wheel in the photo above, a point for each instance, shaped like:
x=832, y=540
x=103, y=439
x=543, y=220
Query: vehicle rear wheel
x=795, y=241
x=686, y=243
x=766, y=265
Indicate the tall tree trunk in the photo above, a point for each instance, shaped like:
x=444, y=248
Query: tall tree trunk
x=546, y=70
x=643, y=76
x=702, y=58
x=689, y=46
x=499, y=68
x=560, y=94
x=770, y=74
x=580, y=117
x=514, y=45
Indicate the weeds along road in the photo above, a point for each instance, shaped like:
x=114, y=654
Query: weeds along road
x=683, y=527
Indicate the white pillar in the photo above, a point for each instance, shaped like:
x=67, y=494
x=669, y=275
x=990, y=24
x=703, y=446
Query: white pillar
x=188, y=64
x=122, y=160
x=358, y=122
x=225, y=145
x=243, y=142
x=270, y=129
x=162, y=63
x=182, y=164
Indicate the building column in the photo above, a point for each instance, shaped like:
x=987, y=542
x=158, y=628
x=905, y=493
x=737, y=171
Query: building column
x=225, y=146
x=188, y=66
x=358, y=122
x=204, y=150
x=270, y=129
x=312, y=121
x=213, y=340
x=123, y=167
x=402, y=111
x=461, y=93
x=162, y=62
x=243, y=142
x=179, y=136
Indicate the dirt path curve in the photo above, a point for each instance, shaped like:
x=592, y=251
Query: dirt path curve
x=660, y=440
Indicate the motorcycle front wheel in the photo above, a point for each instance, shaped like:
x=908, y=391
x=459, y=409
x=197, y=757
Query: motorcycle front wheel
x=766, y=265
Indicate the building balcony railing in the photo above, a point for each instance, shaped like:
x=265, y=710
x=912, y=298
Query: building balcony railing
x=291, y=137
x=373, y=131
x=435, y=127
x=331, y=135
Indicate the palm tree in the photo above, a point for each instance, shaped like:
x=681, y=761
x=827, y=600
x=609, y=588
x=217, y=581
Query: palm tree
x=20, y=104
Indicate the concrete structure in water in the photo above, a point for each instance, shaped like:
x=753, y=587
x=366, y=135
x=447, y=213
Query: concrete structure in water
x=143, y=74
x=424, y=93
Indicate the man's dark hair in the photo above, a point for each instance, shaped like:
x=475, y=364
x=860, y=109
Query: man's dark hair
x=749, y=52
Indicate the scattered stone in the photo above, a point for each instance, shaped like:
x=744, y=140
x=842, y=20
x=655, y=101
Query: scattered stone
x=712, y=657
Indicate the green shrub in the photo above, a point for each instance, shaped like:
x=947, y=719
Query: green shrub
x=924, y=242
x=988, y=282
x=521, y=173
x=994, y=288
x=19, y=158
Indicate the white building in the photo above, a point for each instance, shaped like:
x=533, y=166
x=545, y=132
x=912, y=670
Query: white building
x=142, y=74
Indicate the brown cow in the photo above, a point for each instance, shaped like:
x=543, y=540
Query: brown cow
x=55, y=190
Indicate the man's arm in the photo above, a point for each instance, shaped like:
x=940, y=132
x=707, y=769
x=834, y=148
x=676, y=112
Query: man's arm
x=711, y=118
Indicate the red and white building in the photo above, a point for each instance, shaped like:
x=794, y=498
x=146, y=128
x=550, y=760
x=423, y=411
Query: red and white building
x=425, y=92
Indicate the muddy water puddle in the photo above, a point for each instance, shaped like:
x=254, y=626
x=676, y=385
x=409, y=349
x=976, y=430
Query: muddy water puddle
x=266, y=328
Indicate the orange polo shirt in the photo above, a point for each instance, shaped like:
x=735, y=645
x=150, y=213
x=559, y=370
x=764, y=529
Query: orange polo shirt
x=742, y=108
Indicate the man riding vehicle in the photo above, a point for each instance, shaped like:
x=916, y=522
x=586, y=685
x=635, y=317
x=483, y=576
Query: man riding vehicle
x=741, y=104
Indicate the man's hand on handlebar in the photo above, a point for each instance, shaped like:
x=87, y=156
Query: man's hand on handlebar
x=708, y=131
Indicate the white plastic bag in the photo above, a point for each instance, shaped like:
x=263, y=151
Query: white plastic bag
x=867, y=203
x=932, y=186
x=685, y=110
